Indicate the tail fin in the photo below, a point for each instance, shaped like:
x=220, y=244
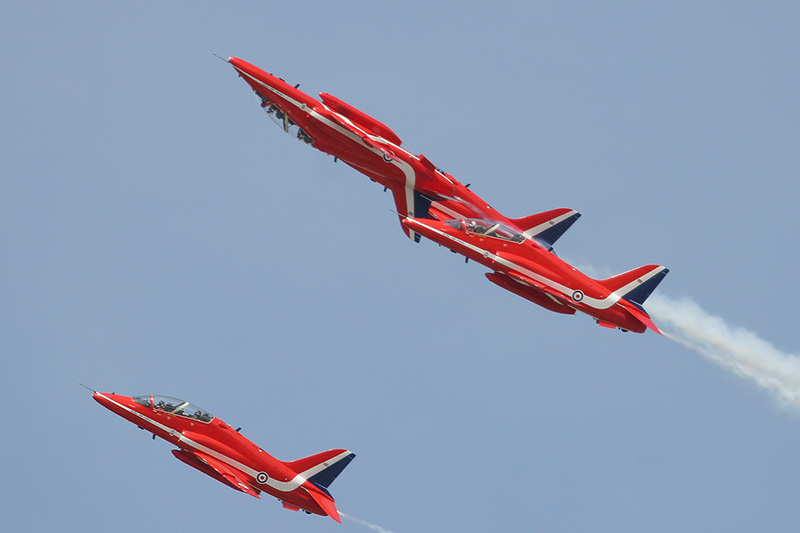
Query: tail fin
x=635, y=286
x=638, y=284
x=322, y=468
x=547, y=227
x=410, y=203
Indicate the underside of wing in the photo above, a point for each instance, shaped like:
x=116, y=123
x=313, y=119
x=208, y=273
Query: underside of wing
x=532, y=291
x=360, y=118
x=218, y=470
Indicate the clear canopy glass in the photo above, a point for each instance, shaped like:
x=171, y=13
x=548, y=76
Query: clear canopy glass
x=174, y=406
x=487, y=229
x=283, y=121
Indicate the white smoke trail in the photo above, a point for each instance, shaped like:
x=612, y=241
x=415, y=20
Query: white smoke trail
x=733, y=348
x=364, y=523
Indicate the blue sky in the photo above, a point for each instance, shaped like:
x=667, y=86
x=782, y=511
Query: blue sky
x=160, y=235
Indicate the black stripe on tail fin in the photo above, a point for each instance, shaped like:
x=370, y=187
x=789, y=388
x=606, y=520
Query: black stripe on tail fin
x=328, y=475
x=643, y=291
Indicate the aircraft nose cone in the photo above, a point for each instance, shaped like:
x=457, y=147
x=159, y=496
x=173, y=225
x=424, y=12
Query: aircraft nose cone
x=411, y=223
x=101, y=399
x=236, y=62
x=109, y=401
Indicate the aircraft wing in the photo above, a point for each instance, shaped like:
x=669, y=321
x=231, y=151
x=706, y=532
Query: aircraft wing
x=531, y=290
x=216, y=468
x=360, y=118
x=525, y=280
x=388, y=154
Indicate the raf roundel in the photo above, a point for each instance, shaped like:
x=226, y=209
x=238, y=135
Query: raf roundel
x=577, y=296
x=262, y=477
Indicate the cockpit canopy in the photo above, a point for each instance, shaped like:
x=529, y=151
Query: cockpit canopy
x=174, y=406
x=283, y=121
x=486, y=228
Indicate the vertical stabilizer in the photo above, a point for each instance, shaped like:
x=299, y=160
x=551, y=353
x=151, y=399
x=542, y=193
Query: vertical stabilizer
x=322, y=468
x=547, y=227
x=634, y=287
x=638, y=284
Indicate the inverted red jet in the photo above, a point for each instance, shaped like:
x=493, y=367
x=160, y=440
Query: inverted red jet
x=432, y=203
x=210, y=445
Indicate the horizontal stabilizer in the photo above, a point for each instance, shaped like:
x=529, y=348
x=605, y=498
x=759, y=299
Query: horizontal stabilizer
x=547, y=227
x=638, y=284
x=641, y=315
x=327, y=504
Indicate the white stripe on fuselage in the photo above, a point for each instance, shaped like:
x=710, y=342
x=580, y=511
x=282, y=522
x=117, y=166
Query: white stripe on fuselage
x=407, y=170
x=595, y=303
x=283, y=486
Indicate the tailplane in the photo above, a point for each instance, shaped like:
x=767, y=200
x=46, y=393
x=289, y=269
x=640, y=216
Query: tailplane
x=326, y=503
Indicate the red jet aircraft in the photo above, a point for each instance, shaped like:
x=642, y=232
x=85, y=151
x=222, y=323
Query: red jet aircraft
x=213, y=447
x=525, y=267
x=432, y=203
